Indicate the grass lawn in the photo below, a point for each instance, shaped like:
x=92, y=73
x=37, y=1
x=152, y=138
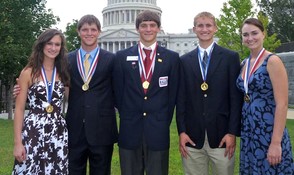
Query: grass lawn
x=175, y=165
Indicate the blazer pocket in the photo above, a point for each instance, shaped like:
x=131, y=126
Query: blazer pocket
x=162, y=116
x=107, y=113
x=126, y=115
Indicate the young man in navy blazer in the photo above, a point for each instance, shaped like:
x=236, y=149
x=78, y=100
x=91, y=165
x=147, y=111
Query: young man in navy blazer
x=145, y=91
x=209, y=103
x=91, y=119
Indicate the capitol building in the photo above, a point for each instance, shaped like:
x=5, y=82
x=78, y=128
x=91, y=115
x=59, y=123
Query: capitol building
x=119, y=31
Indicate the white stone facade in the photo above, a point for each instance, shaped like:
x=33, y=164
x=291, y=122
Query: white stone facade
x=119, y=31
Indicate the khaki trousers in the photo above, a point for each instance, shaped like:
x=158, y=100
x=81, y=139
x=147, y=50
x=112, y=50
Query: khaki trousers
x=197, y=162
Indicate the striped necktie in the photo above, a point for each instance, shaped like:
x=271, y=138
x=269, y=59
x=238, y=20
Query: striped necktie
x=87, y=64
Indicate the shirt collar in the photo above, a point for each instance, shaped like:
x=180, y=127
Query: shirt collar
x=92, y=52
x=208, y=49
x=152, y=47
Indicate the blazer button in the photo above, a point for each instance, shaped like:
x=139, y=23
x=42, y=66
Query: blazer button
x=205, y=95
x=144, y=114
x=145, y=98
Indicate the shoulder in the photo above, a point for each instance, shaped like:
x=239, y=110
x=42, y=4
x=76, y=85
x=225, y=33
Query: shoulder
x=225, y=50
x=127, y=50
x=25, y=76
x=131, y=51
x=170, y=51
x=188, y=55
x=26, y=72
x=106, y=53
x=274, y=60
x=72, y=55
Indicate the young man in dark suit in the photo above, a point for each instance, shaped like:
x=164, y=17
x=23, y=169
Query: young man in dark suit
x=90, y=115
x=145, y=83
x=209, y=103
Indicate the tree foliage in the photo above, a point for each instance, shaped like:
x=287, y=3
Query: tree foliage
x=72, y=38
x=271, y=42
x=234, y=12
x=281, y=17
x=21, y=21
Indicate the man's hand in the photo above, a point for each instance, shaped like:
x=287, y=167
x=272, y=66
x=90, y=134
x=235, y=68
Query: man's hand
x=184, y=138
x=16, y=89
x=230, y=141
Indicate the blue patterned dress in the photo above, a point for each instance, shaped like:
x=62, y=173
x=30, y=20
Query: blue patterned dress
x=257, y=128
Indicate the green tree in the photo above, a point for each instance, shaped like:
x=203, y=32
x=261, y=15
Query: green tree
x=234, y=12
x=72, y=39
x=271, y=42
x=232, y=16
x=20, y=23
x=281, y=17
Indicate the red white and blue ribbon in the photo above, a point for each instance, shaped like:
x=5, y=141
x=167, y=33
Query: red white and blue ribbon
x=92, y=69
x=247, y=73
x=49, y=87
x=146, y=74
x=208, y=61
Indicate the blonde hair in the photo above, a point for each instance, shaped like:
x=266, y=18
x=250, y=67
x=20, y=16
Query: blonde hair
x=204, y=14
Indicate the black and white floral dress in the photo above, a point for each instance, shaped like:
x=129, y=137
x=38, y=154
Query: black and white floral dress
x=44, y=135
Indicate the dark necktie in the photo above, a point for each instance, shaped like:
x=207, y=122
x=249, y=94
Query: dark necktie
x=204, y=61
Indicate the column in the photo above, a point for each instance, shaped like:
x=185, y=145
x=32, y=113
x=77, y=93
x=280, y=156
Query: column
x=130, y=16
x=125, y=16
x=113, y=47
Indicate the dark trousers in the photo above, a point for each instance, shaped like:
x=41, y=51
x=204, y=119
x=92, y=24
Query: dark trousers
x=135, y=162
x=99, y=158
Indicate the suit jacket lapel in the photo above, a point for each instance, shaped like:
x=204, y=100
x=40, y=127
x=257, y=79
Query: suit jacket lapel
x=160, y=59
x=135, y=68
x=215, y=59
x=194, y=63
x=74, y=67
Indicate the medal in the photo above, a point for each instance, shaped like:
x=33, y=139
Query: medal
x=247, y=98
x=49, y=89
x=49, y=108
x=204, y=86
x=85, y=87
x=87, y=78
x=145, y=84
x=247, y=73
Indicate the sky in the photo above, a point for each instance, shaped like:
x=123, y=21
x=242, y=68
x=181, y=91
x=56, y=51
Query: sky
x=177, y=15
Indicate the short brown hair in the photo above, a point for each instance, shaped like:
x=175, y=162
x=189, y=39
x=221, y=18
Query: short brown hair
x=90, y=19
x=204, y=14
x=147, y=15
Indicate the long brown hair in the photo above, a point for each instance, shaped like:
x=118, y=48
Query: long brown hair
x=37, y=56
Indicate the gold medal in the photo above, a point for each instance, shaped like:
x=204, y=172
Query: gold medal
x=145, y=84
x=247, y=98
x=204, y=86
x=85, y=87
x=49, y=108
